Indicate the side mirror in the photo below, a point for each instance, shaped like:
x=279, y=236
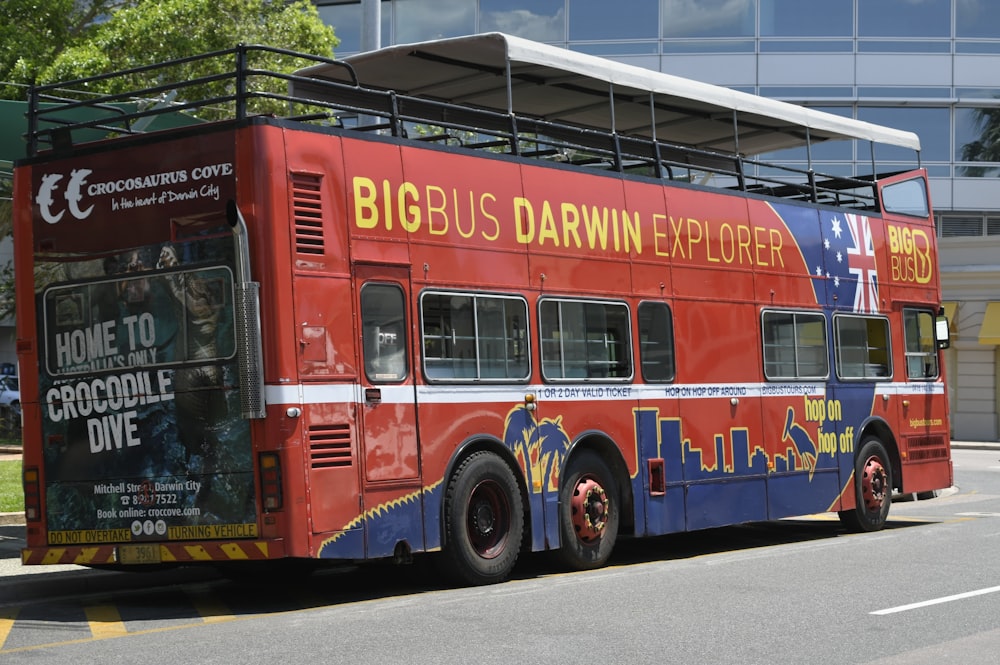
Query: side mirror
x=942, y=332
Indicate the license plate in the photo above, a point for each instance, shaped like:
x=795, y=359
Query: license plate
x=138, y=554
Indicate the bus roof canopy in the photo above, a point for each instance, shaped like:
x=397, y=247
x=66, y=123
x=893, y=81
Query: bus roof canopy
x=510, y=74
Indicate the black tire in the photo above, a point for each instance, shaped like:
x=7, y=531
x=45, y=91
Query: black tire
x=483, y=521
x=589, y=512
x=872, y=488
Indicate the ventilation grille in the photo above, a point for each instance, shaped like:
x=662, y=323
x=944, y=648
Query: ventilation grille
x=330, y=446
x=927, y=448
x=307, y=211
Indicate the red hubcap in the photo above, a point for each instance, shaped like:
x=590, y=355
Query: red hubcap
x=488, y=519
x=590, y=509
x=873, y=484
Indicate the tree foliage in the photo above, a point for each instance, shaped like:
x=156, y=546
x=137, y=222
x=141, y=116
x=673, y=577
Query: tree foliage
x=34, y=32
x=48, y=41
x=159, y=30
x=45, y=41
x=986, y=147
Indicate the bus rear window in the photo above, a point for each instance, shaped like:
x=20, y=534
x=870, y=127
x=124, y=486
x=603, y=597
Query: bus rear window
x=908, y=198
x=182, y=317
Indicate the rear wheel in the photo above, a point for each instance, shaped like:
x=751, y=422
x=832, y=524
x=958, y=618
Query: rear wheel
x=484, y=521
x=588, y=512
x=872, y=488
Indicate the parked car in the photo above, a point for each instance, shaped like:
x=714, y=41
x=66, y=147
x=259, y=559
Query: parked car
x=10, y=395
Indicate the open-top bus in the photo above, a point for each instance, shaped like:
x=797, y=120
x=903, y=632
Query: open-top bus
x=477, y=296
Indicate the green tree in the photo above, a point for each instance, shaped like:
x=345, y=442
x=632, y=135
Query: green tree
x=34, y=32
x=152, y=31
x=986, y=148
x=46, y=41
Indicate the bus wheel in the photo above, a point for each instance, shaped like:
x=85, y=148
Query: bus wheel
x=484, y=521
x=872, y=488
x=588, y=512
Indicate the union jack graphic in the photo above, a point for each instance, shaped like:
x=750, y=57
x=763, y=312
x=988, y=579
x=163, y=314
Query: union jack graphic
x=862, y=266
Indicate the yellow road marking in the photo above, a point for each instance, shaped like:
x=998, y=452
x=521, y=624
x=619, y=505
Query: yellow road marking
x=209, y=607
x=105, y=621
x=7, y=618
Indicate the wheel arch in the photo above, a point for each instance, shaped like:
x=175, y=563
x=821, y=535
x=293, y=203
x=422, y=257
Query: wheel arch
x=880, y=429
x=602, y=444
x=487, y=443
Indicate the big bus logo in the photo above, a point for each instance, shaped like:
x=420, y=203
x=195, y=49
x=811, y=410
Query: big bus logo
x=46, y=199
x=910, y=258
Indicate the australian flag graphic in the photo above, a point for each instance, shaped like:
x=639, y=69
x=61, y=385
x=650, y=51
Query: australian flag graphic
x=840, y=257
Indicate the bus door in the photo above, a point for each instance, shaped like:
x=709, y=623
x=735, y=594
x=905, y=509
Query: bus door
x=923, y=422
x=387, y=411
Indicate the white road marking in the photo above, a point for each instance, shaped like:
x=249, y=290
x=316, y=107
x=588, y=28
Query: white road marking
x=937, y=601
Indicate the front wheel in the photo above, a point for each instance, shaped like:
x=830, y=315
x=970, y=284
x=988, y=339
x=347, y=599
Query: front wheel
x=872, y=488
x=588, y=512
x=484, y=521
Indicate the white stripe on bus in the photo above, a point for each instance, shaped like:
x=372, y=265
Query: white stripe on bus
x=339, y=393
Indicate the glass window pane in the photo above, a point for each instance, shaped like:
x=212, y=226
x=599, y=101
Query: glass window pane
x=540, y=20
x=383, y=332
x=708, y=46
x=614, y=49
x=474, y=337
x=594, y=19
x=904, y=18
x=930, y=124
x=346, y=21
x=977, y=47
x=789, y=18
x=863, y=348
x=656, y=340
x=921, y=346
x=502, y=338
x=824, y=151
x=585, y=340
x=977, y=18
x=420, y=20
x=708, y=18
x=794, y=345
x=903, y=92
x=552, y=339
x=806, y=46
x=900, y=46
x=976, y=132
x=908, y=197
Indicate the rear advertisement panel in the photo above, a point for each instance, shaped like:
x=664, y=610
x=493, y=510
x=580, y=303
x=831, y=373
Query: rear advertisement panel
x=141, y=431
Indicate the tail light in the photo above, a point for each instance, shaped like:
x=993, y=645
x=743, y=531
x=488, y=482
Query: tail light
x=32, y=495
x=270, y=481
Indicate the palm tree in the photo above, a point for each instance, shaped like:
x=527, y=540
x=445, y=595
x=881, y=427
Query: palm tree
x=986, y=148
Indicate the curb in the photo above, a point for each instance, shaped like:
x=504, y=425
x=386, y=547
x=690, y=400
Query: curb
x=12, y=519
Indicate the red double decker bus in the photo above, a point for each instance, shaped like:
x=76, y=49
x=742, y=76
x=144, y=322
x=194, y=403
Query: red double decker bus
x=475, y=296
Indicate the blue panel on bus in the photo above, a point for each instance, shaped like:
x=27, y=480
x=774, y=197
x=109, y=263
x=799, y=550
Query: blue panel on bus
x=726, y=502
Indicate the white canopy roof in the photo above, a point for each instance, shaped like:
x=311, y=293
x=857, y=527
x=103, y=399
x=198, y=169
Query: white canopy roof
x=560, y=85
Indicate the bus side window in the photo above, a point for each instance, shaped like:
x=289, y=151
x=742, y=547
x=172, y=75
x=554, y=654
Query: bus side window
x=862, y=347
x=656, y=342
x=921, y=345
x=383, y=332
x=584, y=340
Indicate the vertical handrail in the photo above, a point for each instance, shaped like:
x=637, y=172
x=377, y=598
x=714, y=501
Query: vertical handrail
x=652, y=133
x=32, y=135
x=241, y=81
x=396, y=125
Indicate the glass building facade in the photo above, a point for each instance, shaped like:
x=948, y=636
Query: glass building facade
x=929, y=66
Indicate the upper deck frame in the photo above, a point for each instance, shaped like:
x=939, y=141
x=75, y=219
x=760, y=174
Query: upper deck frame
x=490, y=92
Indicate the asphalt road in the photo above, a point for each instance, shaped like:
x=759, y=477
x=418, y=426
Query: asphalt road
x=925, y=590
